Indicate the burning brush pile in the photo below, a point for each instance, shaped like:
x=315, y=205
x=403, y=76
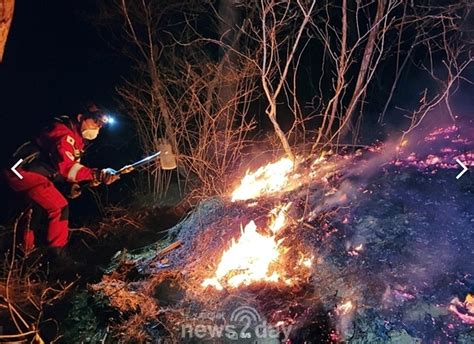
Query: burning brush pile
x=367, y=246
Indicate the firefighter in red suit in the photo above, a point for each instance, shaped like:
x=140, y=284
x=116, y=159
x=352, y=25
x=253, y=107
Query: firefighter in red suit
x=55, y=158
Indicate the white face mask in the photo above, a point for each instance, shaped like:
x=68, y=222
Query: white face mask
x=90, y=134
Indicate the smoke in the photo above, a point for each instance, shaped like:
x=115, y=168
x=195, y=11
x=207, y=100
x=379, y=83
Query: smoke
x=408, y=211
x=435, y=136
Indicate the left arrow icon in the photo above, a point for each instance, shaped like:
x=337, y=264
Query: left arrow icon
x=14, y=169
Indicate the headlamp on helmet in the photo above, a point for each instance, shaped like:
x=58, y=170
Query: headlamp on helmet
x=99, y=116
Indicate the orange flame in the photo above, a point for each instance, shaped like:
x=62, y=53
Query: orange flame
x=268, y=179
x=464, y=310
x=250, y=258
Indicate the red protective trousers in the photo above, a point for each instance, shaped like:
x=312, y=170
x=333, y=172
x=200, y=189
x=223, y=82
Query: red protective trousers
x=42, y=191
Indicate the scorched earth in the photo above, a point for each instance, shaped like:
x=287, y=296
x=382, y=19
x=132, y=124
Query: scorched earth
x=372, y=246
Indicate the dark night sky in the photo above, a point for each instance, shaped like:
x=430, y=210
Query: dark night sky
x=55, y=60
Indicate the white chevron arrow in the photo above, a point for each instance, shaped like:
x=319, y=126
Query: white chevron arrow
x=14, y=169
x=464, y=168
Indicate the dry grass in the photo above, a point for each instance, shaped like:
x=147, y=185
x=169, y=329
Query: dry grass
x=126, y=297
x=24, y=293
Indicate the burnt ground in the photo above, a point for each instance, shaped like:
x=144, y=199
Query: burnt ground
x=416, y=230
x=395, y=241
x=392, y=237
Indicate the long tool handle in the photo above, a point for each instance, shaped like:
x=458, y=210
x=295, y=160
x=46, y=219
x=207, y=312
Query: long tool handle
x=127, y=168
x=131, y=167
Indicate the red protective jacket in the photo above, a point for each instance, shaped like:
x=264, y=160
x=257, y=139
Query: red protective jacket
x=55, y=157
x=64, y=145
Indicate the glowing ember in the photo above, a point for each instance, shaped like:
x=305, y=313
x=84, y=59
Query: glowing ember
x=306, y=261
x=267, y=179
x=345, y=308
x=444, y=157
x=250, y=258
x=469, y=303
x=464, y=310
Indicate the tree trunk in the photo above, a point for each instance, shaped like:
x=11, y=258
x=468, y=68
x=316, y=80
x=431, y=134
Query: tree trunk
x=229, y=20
x=364, y=66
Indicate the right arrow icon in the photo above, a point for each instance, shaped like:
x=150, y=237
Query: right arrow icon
x=464, y=168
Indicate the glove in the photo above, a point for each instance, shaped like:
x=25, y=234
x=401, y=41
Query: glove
x=75, y=191
x=107, y=176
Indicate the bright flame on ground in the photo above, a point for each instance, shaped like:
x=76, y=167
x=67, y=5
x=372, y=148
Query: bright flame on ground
x=345, y=308
x=469, y=302
x=249, y=258
x=306, y=261
x=267, y=179
x=464, y=310
x=278, y=217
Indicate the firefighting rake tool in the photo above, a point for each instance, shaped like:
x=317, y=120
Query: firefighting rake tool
x=165, y=155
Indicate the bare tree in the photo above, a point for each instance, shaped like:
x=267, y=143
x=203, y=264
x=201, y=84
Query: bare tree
x=356, y=55
x=183, y=94
x=384, y=33
x=196, y=101
x=274, y=65
x=195, y=87
x=456, y=55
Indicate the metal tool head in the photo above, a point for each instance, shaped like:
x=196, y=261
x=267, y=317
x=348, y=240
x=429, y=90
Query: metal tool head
x=167, y=157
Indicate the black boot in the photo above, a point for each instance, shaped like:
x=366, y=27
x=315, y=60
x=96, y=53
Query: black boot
x=61, y=264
